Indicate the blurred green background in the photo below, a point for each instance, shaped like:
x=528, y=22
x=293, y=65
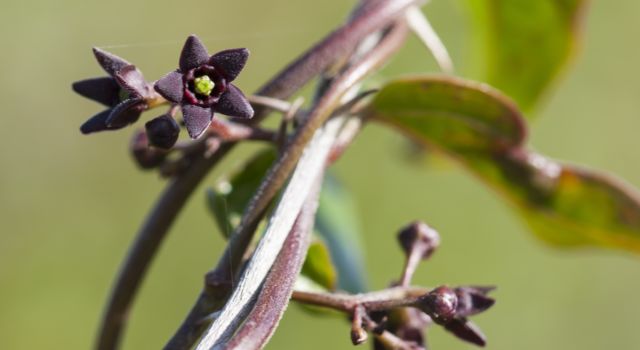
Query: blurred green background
x=69, y=204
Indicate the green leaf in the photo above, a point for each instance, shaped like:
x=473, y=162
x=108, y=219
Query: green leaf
x=336, y=223
x=228, y=199
x=318, y=266
x=526, y=42
x=564, y=205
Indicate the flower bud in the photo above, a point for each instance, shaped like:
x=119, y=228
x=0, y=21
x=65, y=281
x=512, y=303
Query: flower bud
x=440, y=304
x=145, y=156
x=162, y=131
x=419, y=235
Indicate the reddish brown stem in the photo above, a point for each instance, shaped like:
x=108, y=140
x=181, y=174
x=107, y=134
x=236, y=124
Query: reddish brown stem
x=276, y=291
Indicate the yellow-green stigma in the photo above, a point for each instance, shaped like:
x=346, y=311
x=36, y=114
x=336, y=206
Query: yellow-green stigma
x=203, y=85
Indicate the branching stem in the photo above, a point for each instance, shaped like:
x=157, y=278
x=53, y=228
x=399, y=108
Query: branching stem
x=374, y=301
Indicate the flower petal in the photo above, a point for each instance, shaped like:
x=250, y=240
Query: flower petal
x=131, y=79
x=127, y=112
x=96, y=123
x=162, y=131
x=104, y=90
x=467, y=331
x=473, y=300
x=196, y=119
x=230, y=62
x=109, y=62
x=193, y=55
x=234, y=104
x=171, y=87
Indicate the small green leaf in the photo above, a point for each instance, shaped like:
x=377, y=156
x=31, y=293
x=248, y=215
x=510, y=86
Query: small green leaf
x=318, y=266
x=526, y=42
x=336, y=223
x=564, y=205
x=229, y=197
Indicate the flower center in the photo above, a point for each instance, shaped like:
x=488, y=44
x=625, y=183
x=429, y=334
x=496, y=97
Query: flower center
x=203, y=85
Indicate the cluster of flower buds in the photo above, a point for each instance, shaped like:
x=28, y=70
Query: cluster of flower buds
x=447, y=307
x=200, y=86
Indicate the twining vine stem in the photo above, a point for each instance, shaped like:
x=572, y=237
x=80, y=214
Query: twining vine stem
x=274, y=295
x=324, y=107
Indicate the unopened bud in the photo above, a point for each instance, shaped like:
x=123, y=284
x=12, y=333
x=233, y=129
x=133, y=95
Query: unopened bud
x=162, y=131
x=145, y=156
x=440, y=304
x=419, y=235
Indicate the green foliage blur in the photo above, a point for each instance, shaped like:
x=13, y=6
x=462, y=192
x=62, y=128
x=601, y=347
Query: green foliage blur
x=70, y=204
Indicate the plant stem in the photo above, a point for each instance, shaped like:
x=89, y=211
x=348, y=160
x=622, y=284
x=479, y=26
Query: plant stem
x=411, y=265
x=146, y=244
x=275, y=178
x=280, y=171
x=369, y=18
x=374, y=301
x=278, y=286
x=307, y=171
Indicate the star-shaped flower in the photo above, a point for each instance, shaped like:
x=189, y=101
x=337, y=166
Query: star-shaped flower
x=202, y=85
x=124, y=92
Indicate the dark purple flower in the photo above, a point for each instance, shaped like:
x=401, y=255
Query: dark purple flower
x=124, y=92
x=202, y=85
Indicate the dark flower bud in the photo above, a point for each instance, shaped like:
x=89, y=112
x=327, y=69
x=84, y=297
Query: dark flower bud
x=473, y=300
x=162, y=131
x=440, y=304
x=409, y=324
x=419, y=235
x=145, y=156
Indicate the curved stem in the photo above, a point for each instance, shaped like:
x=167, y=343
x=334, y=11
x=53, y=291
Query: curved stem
x=208, y=301
x=274, y=296
x=324, y=108
x=253, y=276
x=146, y=244
x=369, y=18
